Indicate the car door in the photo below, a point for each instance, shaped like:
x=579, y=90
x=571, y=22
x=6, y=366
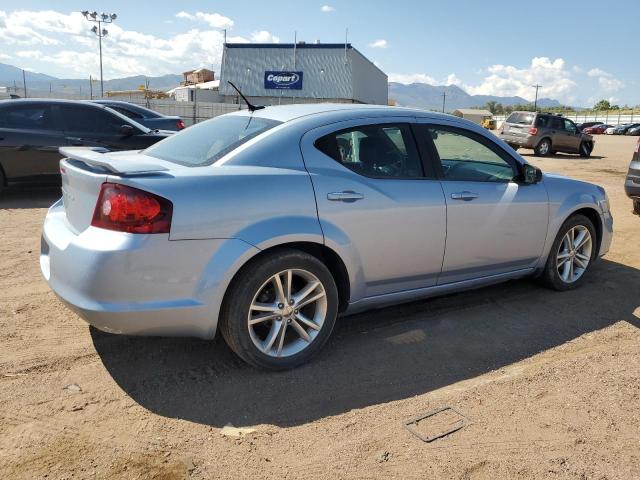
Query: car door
x=572, y=134
x=93, y=126
x=29, y=141
x=376, y=204
x=559, y=137
x=495, y=224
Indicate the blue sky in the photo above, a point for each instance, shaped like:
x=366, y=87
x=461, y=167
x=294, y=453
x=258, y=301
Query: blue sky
x=580, y=51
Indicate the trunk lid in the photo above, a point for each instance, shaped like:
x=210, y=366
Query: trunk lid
x=84, y=170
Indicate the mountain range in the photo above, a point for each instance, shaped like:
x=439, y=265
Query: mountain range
x=423, y=95
x=420, y=95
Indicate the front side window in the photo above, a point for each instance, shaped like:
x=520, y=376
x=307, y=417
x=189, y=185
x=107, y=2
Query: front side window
x=206, y=142
x=380, y=151
x=27, y=117
x=465, y=158
x=570, y=126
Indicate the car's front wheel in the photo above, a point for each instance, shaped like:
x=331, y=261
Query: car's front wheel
x=280, y=310
x=572, y=254
x=585, y=149
x=636, y=207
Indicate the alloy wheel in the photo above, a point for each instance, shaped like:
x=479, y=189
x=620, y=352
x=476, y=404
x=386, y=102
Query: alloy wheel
x=287, y=313
x=574, y=254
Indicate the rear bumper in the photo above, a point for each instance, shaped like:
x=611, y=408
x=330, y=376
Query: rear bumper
x=137, y=284
x=632, y=183
x=520, y=141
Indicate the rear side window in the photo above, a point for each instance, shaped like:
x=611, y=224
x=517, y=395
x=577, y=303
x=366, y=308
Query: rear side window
x=378, y=151
x=521, y=118
x=127, y=113
x=87, y=119
x=207, y=142
x=542, y=121
x=27, y=117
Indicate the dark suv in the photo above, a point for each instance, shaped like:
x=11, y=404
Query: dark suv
x=31, y=131
x=545, y=133
x=632, y=183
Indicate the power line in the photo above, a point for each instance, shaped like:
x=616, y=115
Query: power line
x=535, y=103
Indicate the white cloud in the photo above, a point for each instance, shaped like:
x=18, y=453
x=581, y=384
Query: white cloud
x=65, y=44
x=263, y=36
x=507, y=80
x=606, y=80
x=452, y=79
x=215, y=20
x=35, y=54
x=327, y=9
x=409, y=78
x=4, y=56
x=382, y=43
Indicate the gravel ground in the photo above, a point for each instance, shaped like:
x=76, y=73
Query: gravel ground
x=550, y=382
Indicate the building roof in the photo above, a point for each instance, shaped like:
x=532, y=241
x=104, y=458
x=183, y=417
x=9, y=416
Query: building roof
x=340, y=46
x=472, y=111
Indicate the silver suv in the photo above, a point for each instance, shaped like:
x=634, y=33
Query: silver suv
x=545, y=133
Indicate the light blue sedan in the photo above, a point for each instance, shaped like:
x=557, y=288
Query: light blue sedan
x=268, y=224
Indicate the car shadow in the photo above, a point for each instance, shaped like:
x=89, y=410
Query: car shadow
x=29, y=197
x=374, y=357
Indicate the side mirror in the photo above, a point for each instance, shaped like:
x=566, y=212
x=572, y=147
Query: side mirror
x=531, y=174
x=127, y=130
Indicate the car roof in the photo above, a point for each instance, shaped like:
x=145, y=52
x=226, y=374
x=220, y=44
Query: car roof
x=286, y=113
x=52, y=101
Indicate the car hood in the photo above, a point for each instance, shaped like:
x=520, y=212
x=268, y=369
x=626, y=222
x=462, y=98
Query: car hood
x=558, y=180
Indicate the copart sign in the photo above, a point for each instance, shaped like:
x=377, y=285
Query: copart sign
x=283, y=80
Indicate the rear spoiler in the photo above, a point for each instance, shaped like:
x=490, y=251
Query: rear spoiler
x=95, y=156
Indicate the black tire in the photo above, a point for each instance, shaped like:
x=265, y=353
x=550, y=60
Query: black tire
x=235, y=309
x=542, y=148
x=636, y=207
x=2, y=181
x=550, y=276
x=585, y=149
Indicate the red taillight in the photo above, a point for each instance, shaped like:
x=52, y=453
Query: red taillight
x=127, y=209
x=533, y=131
x=180, y=124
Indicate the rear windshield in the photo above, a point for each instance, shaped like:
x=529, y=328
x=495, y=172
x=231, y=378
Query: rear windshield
x=521, y=118
x=207, y=142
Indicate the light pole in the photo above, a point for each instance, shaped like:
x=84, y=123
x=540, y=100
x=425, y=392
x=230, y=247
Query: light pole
x=100, y=32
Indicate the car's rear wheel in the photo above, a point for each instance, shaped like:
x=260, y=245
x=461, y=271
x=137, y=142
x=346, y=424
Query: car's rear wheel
x=572, y=254
x=280, y=310
x=543, y=148
x=585, y=149
x=636, y=207
x=2, y=181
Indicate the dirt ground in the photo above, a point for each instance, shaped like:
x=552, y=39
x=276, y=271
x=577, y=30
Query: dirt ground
x=550, y=382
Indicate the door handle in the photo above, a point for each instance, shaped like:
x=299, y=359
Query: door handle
x=74, y=140
x=466, y=196
x=346, y=196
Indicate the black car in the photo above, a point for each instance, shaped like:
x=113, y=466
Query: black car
x=144, y=116
x=31, y=131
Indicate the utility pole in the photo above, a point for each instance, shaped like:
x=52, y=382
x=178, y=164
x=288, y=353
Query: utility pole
x=90, y=88
x=444, y=98
x=24, y=84
x=100, y=32
x=535, y=103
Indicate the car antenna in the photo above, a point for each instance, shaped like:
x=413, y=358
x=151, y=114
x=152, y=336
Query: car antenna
x=252, y=108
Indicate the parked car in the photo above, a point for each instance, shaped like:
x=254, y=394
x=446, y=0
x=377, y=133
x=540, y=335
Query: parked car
x=583, y=125
x=632, y=182
x=633, y=131
x=610, y=130
x=545, y=133
x=144, y=116
x=596, y=129
x=623, y=129
x=32, y=131
x=265, y=225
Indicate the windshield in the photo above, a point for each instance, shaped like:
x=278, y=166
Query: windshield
x=207, y=142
